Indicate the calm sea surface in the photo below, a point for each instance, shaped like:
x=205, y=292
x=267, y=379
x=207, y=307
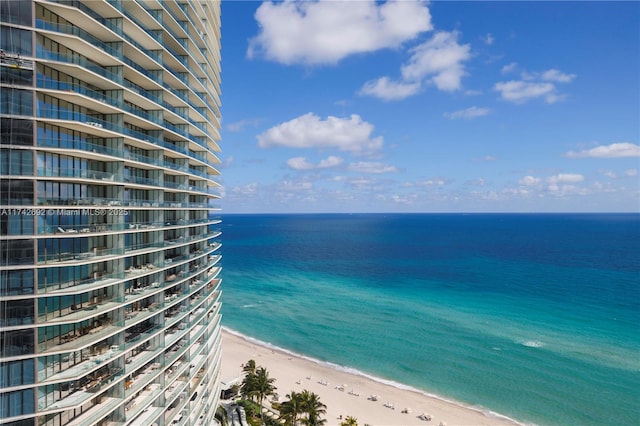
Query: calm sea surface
x=536, y=317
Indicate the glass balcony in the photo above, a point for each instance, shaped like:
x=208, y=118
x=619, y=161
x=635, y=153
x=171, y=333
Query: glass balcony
x=94, y=254
x=140, y=402
x=141, y=379
x=79, y=339
x=84, y=201
x=78, y=32
x=135, y=335
x=89, y=364
x=80, y=312
x=79, y=286
x=143, y=357
x=78, y=173
x=134, y=316
x=83, y=229
x=47, y=83
x=105, y=406
x=43, y=53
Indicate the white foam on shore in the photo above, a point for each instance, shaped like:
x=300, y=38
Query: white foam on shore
x=355, y=372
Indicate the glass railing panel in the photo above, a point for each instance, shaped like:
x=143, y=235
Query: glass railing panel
x=44, y=258
x=78, y=173
x=142, y=400
x=85, y=201
x=142, y=358
x=136, y=247
x=78, y=32
x=79, y=312
x=139, y=90
x=83, y=229
x=42, y=53
x=143, y=378
x=93, y=334
x=81, y=284
x=131, y=337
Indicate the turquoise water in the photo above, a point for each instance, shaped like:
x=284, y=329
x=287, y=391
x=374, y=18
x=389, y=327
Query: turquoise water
x=535, y=317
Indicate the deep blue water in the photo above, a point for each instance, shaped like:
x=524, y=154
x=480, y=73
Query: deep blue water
x=536, y=317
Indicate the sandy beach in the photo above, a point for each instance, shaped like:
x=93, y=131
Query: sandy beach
x=347, y=394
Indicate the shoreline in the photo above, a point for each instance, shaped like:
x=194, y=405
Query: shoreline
x=347, y=391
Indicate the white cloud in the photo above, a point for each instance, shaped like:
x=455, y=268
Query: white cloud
x=246, y=190
x=301, y=163
x=556, y=75
x=331, y=161
x=289, y=185
x=610, y=174
x=242, y=124
x=533, y=85
x=360, y=182
x=529, y=181
x=372, y=167
x=227, y=162
x=489, y=158
x=310, y=131
x=441, y=59
x=438, y=61
x=388, y=90
x=631, y=172
x=522, y=91
x=509, y=68
x=476, y=182
x=324, y=32
x=404, y=200
x=435, y=181
x=565, y=178
x=488, y=39
x=468, y=113
x=614, y=150
x=557, y=185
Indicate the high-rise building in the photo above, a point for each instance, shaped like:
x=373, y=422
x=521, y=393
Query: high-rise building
x=109, y=268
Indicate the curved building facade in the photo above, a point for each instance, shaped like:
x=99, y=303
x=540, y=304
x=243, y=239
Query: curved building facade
x=109, y=268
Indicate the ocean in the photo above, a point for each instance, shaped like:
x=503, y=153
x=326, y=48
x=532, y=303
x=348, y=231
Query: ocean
x=533, y=316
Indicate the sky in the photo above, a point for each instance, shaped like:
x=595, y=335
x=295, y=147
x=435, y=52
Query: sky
x=446, y=106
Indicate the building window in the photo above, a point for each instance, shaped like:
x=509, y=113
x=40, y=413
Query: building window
x=16, y=76
x=16, y=12
x=16, y=101
x=17, y=312
x=16, y=343
x=16, y=252
x=17, y=403
x=14, y=223
x=14, y=192
x=14, y=283
x=16, y=132
x=16, y=162
x=17, y=373
x=15, y=40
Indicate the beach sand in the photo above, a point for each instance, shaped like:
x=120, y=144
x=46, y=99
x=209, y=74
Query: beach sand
x=293, y=373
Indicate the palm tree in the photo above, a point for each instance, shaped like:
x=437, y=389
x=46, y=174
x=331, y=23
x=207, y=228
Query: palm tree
x=247, y=387
x=290, y=409
x=349, y=421
x=263, y=386
x=249, y=368
x=314, y=408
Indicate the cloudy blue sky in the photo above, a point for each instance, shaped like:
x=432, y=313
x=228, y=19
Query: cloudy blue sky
x=412, y=106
